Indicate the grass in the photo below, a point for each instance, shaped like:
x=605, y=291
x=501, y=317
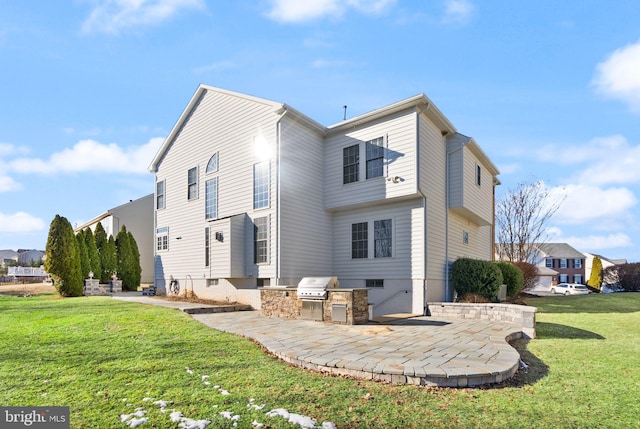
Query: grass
x=103, y=357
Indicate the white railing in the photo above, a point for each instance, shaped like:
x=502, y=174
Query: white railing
x=27, y=272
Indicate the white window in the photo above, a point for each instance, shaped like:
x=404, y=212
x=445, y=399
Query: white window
x=548, y=262
x=211, y=198
x=465, y=237
x=350, y=164
x=374, y=283
x=382, y=238
x=360, y=240
x=577, y=278
x=212, y=165
x=375, y=157
x=564, y=263
x=162, y=238
x=261, y=240
x=261, y=179
x=192, y=183
x=563, y=278
x=478, y=175
x=160, y=195
x=577, y=263
x=207, y=243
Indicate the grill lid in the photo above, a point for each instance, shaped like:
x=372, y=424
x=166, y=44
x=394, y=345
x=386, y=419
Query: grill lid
x=316, y=287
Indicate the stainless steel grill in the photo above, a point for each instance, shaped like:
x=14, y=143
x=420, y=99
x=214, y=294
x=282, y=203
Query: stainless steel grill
x=316, y=287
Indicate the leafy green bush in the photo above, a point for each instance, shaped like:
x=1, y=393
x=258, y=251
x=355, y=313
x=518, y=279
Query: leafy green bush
x=63, y=258
x=512, y=276
x=477, y=277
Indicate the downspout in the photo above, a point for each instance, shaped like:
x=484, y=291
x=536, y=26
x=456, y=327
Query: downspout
x=425, y=308
x=278, y=176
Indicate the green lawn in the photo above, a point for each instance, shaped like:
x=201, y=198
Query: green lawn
x=104, y=358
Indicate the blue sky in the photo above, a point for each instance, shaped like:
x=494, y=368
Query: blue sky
x=549, y=89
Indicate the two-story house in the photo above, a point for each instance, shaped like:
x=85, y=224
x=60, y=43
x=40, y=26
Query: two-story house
x=252, y=193
x=567, y=262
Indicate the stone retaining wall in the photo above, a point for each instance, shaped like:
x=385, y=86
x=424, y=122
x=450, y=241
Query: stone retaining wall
x=522, y=316
x=93, y=287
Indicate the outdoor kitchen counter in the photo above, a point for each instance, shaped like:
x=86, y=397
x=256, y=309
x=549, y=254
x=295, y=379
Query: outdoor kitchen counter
x=343, y=306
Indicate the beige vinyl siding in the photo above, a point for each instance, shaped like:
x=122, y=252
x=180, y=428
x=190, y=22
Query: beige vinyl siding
x=466, y=197
x=399, y=266
x=478, y=198
x=228, y=125
x=400, y=137
x=305, y=227
x=433, y=185
x=479, y=245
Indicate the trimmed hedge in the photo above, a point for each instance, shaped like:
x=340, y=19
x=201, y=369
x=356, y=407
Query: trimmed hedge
x=512, y=276
x=477, y=277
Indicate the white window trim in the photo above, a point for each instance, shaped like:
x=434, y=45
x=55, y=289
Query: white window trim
x=217, y=155
x=197, y=183
x=164, y=194
x=162, y=232
x=371, y=246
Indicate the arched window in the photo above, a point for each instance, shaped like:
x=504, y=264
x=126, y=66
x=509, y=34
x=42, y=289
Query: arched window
x=212, y=165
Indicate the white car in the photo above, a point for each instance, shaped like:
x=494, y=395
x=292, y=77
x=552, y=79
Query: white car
x=570, y=289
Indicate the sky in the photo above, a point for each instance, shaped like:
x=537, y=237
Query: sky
x=550, y=90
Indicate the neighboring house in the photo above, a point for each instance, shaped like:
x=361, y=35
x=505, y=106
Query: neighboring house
x=137, y=217
x=252, y=193
x=27, y=257
x=8, y=256
x=564, y=259
x=606, y=262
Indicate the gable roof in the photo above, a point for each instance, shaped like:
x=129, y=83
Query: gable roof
x=420, y=102
x=278, y=109
x=559, y=250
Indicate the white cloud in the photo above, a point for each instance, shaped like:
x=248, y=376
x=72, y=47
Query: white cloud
x=457, y=11
x=8, y=184
x=308, y=10
x=20, y=222
x=92, y=156
x=590, y=204
x=593, y=242
x=111, y=16
x=607, y=160
x=619, y=77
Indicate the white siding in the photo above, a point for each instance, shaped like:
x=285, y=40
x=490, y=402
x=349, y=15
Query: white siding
x=466, y=197
x=479, y=243
x=433, y=185
x=305, y=227
x=228, y=125
x=396, y=271
x=399, y=131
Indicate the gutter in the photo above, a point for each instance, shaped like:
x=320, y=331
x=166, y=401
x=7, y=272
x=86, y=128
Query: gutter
x=425, y=308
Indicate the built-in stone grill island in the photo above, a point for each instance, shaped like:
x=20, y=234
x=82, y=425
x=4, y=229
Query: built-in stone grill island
x=317, y=298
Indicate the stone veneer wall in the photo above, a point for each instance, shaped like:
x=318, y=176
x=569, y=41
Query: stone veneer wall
x=93, y=287
x=285, y=303
x=518, y=315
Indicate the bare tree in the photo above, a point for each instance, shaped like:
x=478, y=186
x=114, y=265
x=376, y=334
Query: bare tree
x=521, y=217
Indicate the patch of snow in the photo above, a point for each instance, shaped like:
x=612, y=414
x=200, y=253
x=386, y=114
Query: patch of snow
x=188, y=370
x=147, y=399
x=298, y=419
x=329, y=425
x=206, y=383
x=225, y=393
x=256, y=424
x=175, y=416
x=204, y=377
x=193, y=424
x=134, y=423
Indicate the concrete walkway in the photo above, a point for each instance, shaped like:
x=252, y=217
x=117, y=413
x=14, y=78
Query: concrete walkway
x=420, y=350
